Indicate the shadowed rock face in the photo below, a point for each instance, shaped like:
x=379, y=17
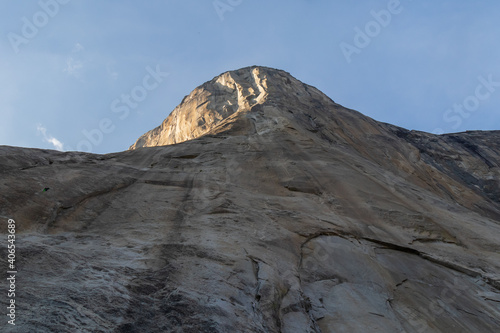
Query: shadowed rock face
x=286, y=212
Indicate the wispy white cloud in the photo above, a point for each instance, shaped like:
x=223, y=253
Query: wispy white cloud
x=77, y=48
x=111, y=72
x=49, y=138
x=73, y=67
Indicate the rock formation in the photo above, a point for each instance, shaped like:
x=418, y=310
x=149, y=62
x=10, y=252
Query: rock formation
x=259, y=205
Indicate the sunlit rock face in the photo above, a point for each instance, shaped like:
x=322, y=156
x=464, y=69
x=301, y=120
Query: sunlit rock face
x=259, y=205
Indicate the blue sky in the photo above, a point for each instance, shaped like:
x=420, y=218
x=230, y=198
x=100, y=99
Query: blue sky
x=66, y=65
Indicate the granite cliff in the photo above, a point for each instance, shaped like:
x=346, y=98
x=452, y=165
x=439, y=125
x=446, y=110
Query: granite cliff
x=259, y=205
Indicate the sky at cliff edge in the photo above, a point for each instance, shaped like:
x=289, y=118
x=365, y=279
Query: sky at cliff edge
x=94, y=75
